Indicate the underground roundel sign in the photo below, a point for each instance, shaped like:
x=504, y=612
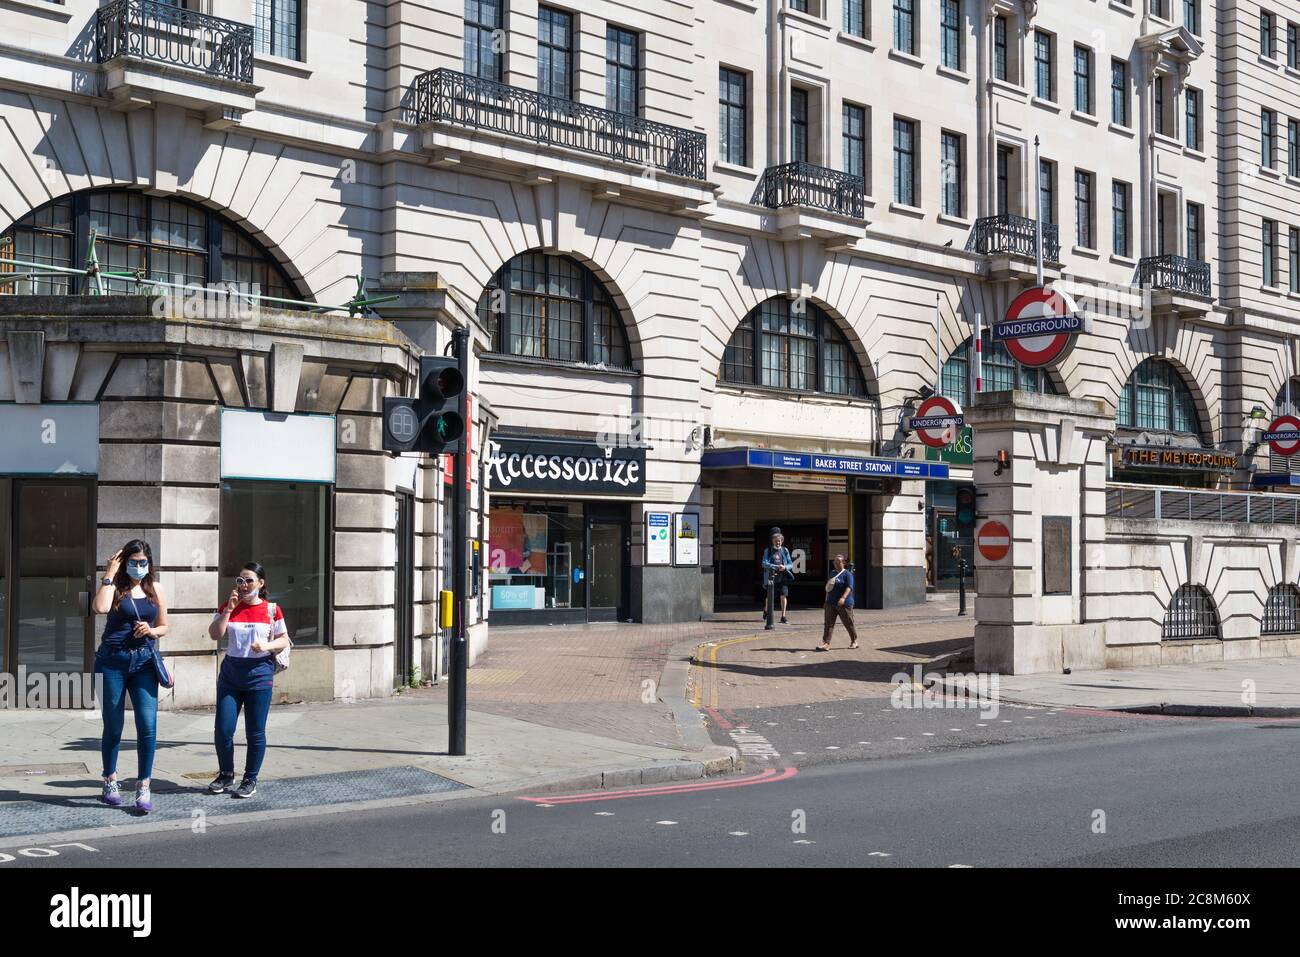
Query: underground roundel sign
x=1040, y=326
x=993, y=540
x=937, y=421
x=1283, y=435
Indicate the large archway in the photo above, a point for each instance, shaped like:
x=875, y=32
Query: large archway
x=153, y=238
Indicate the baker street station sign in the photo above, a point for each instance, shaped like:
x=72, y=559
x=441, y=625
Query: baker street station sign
x=1186, y=460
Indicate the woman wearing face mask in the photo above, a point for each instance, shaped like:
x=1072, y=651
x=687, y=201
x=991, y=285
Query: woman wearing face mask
x=257, y=631
x=137, y=616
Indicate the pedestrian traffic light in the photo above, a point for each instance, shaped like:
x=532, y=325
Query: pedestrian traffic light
x=966, y=508
x=431, y=422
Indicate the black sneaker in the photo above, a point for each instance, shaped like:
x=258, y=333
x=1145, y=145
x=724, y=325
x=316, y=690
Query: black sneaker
x=221, y=784
x=247, y=788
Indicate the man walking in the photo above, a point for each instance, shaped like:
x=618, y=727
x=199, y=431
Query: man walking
x=839, y=604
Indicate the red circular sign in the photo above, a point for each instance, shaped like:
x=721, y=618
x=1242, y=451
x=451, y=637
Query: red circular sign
x=993, y=541
x=1285, y=423
x=937, y=406
x=1040, y=302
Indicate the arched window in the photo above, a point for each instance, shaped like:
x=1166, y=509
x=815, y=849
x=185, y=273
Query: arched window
x=552, y=307
x=1282, y=610
x=792, y=344
x=1191, y=614
x=1155, y=398
x=998, y=369
x=156, y=237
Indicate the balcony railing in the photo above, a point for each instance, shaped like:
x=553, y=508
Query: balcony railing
x=162, y=33
x=1175, y=504
x=1175, y=272
x=445, y=96
x=1009, y=233
x=803, y=184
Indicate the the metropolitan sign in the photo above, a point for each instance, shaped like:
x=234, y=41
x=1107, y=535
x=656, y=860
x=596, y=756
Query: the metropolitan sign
x=1195, y=460
x=555, y=465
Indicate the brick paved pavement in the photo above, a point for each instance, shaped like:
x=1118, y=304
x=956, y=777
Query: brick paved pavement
x=597, y=678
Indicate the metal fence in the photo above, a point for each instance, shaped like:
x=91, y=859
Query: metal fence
x=1282, y=610
x=1175, y=272
x=1188, y=505
x=1009, y=233
x=445, y=96
x=818, y=187
x=1191, y=614
x=163, y=33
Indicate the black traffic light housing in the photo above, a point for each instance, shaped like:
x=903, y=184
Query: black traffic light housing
x=433, y=421
x=966, y=496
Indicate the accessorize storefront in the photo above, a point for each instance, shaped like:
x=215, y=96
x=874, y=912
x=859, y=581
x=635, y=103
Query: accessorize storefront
x=559, y=528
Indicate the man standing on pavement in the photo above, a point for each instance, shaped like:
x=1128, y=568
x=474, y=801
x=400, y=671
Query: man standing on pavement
x=839, y=604
x=778, y=568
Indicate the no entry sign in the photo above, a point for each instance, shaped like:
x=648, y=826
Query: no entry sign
x=937, y=421
x=1040, y=326
x=1283, y=435
x=993, y=540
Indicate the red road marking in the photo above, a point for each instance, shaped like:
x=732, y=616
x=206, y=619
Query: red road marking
x=722, y=722
x=763, y=777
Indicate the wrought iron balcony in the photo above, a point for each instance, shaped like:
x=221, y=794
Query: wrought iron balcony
x=162, y=33
x=445, y=96
x=803, y=184
x=1009, y=233
x=1175, y=273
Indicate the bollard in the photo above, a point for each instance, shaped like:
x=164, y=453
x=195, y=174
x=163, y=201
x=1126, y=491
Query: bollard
x=771, y=603
x=961, y=587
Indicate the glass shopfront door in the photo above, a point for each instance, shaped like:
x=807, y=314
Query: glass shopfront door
x=605, y=569
x=47, y=565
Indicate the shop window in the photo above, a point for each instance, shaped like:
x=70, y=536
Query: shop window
x=998, y=369
x=286, y=527
x=1191, y=614
x=1155, y=398
x=792, y=344
x=552, y=307
x=1282, y=610
x=158, y=238
x=533, y=553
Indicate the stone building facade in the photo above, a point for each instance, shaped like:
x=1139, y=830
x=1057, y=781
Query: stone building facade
x=713, y=253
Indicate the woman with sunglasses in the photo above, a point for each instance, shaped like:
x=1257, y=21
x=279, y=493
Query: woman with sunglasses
x=256, y=634
x=136, y=616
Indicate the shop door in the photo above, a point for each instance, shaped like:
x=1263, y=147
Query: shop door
x=606, y=569
x=404, y=611
x=950, y=545
x=47, y=564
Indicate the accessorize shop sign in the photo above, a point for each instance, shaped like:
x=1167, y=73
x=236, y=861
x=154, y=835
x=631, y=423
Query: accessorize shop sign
x=585, y=468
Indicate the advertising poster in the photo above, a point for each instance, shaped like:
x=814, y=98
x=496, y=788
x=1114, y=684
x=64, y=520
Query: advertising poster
x=686, y=536
x=518, y=542
x=658, y=541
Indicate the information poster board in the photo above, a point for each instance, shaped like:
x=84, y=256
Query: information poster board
x=658, y=541
x=686, y=538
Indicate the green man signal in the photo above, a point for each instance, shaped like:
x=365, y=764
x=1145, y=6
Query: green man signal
x=431, y=422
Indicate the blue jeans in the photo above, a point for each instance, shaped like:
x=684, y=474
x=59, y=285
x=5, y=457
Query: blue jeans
x=142, y=684
x=244, y=684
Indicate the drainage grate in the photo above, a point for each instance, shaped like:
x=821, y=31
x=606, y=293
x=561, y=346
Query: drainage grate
x=180, y=803
x=42, y=770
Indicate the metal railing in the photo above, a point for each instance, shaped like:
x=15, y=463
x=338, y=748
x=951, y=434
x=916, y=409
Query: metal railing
x=162, y=33
x=1009, y=233
x=1191, y=615
x=803, y=184
x=1188, y=505
x=445, y=96
x=1175, y=272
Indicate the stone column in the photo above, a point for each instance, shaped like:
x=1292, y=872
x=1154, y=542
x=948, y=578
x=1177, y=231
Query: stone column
x=1056, y=447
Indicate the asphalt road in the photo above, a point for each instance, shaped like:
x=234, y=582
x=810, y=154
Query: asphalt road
x=1149, y=792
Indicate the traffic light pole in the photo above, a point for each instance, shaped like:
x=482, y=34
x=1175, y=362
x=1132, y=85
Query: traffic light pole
x=459, y=537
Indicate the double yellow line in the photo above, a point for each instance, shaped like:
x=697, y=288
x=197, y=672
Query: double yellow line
x=697, y=695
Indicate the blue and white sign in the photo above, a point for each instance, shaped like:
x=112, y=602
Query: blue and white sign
x=819, y=462
x=658, y=538
x=1042, y=326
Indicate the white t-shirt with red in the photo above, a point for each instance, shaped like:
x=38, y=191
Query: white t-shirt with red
x=250, y=623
